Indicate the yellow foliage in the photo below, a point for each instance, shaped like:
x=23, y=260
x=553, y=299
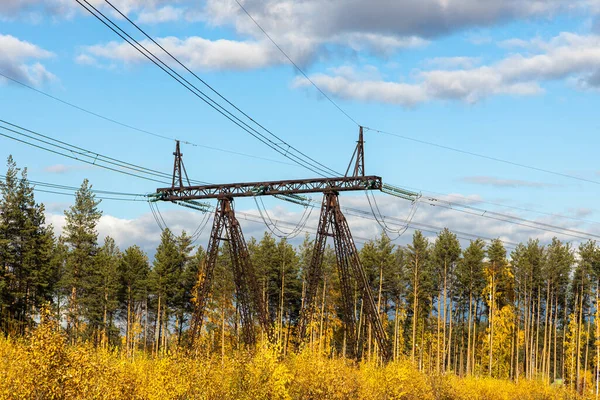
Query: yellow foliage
x=43, y=366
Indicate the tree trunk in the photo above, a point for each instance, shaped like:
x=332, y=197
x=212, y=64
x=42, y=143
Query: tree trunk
x=158, y=326
x=415, y=308
x=469, y=365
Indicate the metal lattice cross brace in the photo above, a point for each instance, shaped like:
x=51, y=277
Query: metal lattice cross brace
x=333, y=223
x=248, y=295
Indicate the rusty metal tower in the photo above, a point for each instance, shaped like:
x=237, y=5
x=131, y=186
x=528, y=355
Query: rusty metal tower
x=332, y=223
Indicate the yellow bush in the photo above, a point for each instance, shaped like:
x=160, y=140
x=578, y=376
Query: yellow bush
x=43, y=366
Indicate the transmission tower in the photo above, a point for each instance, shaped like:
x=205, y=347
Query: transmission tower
x=332, y=223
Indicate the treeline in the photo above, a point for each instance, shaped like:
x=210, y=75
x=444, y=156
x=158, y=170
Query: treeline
x=470, y=311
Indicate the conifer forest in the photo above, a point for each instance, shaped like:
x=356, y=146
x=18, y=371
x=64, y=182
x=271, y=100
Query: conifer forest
x=80, y=317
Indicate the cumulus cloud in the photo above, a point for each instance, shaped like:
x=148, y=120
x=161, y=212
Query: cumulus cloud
x=160, y=15
x=144, y=232
x=19, y=60
x=421, y=18
x=565, y=56
x=196, y=52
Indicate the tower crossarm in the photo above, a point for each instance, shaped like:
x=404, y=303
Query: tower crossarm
x=271, y=188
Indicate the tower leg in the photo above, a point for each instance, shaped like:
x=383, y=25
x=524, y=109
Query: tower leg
x=204, y=283
x=248, y=296
x=315, y=271
x=350, y=270
x=342, y=234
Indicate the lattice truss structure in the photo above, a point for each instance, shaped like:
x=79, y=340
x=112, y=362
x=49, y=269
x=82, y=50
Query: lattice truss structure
x=332, y=223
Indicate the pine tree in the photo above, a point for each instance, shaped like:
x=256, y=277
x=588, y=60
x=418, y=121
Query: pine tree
x=133, y=273
x=421, y=282
x=81, y=238
x=107, y=288
x=162, y=283
x=446, y=252
x=26, y=250
x=182, y=290
x=471, y=281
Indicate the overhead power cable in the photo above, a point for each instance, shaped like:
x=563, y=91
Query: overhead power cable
x=474, y=154
x=289, y=147
x=484, y=156
x=279, y=145
x=458, y=196
x=296, y=65
x=71, y=191
x=47, y=143
x=128, y=126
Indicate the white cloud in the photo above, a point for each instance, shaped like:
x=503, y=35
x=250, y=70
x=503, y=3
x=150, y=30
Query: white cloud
x=196, y=52
x=564, y=56
x=144, y=232
x=160, y=15
x=368, y=90
x=401, y=19
x=16, y=58
x=504, y=183
x=62, y=169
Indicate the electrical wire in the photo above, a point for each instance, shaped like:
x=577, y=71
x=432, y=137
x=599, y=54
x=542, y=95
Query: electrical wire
x=514, y=219
x=505, y=205
x=285, y=150
x=483, y=156
x=87, y=156
x=160, y=226
x=289, y=147
x=296, y=65
x=78, y=159
x=200, y=229
x=381, y=219
x=274, y=229
x=82, y=151
x=144, y=131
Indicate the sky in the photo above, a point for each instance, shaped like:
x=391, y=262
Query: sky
x=512, y=80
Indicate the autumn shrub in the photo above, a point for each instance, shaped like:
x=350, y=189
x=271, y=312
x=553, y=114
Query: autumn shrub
x=397, y=380
x=473, y=388
x=44, y=366
x=315, y=376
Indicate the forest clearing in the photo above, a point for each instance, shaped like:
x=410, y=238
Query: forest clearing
x=296, y=252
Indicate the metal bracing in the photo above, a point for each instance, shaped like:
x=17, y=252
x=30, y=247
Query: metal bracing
x=178, y=168
x=248, y=295
x=359, y=155
x=270, y=188
x=333, y=223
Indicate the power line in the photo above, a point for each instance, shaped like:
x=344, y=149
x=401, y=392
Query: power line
x=128, y=126
x=483, y=156
x=282, y=147
x=75, y=158
x=505, y=205
x=97, y=158
x=74, y=189
x=82, y=151
x=491, y=158
x=296, y=65
x=185, y=83
x=83, y=155
x=289, y=147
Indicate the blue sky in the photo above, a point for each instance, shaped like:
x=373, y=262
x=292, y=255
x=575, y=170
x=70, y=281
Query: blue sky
x=516, y=80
